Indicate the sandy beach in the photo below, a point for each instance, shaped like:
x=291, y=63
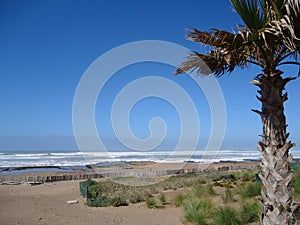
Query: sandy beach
x=46, y=204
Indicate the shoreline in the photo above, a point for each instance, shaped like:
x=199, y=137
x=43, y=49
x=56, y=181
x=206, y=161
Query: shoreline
x=132, y=169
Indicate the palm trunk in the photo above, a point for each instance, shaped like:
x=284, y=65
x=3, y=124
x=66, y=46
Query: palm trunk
x=276, y=174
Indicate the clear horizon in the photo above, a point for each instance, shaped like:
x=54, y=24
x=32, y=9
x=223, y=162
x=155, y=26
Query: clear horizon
x=47, y=46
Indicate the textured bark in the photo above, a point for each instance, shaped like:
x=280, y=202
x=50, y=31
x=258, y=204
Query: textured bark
x=276, y=174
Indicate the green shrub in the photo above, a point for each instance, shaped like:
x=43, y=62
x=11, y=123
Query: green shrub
x=200, y=190
x=93, y=190
x=229, y=197
x=250, y=211
x=102, y=201
x=295, y=166
x=250, y=190
x=247, y=177
x=297, y=214
x=226, y=216
x=109, y=189
x=151, y=203
x=136, y=198
x=92, y=193
x=222, y=176
x=196, y=192
x=118, y=201
x=209, y=189
x=162, y=199
x=179, y=200
x=296, y=185
x=99, y=201
x=197, y=211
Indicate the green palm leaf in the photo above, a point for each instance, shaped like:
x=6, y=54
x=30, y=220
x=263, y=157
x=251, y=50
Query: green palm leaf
x=270, y=35
x=252, y=13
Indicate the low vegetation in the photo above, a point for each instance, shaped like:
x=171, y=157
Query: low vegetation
x=178, y=201
x=249, y=190
x=250, y=211
x=162, y=199
x=226, y=216
x=151, y=203
x=229, y=196
x=229, y=199
x=198, y=210
x=220, y=198
x=104, y=193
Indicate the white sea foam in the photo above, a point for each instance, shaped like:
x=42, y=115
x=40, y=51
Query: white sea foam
x=14, y=159
x=31, y=155
x=66, y=154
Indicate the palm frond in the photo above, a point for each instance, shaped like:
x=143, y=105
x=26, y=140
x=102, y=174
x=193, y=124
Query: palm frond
x=269, y=38
x=207, y=64
x=284, y=31
x=287, y=16
x=252, y=13
x=217, y=62
x=230, y=50
x=215, y=38
x=276, y=6
x=196, y=62
x=292, y=10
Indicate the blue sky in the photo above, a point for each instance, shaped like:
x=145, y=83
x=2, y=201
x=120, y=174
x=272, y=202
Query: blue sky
x=46, y=46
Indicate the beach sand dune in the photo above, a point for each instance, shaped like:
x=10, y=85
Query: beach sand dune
x=46, y=204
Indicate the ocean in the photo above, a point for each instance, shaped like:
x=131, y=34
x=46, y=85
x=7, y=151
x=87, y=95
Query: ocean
x=67, y=158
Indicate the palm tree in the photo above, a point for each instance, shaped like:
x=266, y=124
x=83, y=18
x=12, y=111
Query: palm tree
x=269, y=39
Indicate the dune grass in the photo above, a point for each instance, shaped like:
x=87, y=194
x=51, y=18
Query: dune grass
x=101, y=194
x=237, y=204
x=151, y=203
x=179, y=198
x=198, y=210
x=250, y=190
x=221, y=198
x=250, y=211
x=162, y=199
x=226, y=216
x=229, y=196
x=296, y=185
